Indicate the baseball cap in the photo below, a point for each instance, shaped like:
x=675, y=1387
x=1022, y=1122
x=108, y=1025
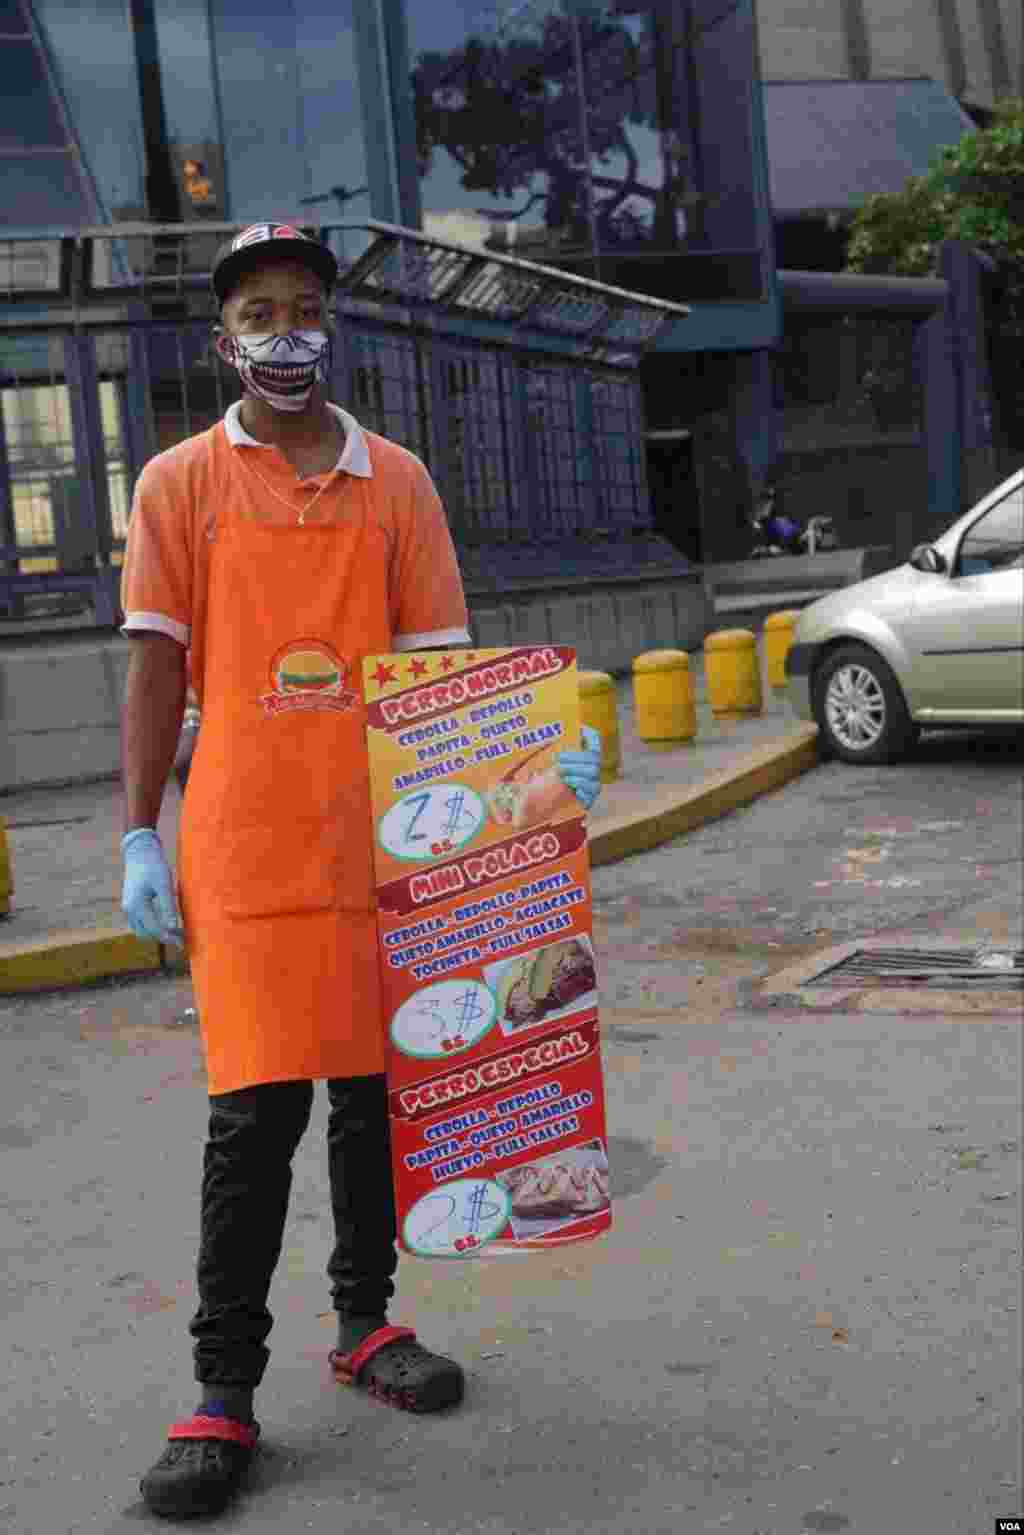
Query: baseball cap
x=262, y=242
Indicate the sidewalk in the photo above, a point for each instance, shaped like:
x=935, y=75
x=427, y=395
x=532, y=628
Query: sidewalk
x=65, y=926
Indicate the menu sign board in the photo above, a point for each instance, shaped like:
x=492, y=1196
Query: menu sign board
x=488, y=966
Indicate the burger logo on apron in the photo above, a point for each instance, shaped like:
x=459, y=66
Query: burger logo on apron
x=307, y=674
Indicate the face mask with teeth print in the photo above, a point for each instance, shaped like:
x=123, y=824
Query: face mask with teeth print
x=280, y=369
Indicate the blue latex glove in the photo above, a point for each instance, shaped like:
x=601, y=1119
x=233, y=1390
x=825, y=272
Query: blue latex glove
x=147, y=896
x=581, y=771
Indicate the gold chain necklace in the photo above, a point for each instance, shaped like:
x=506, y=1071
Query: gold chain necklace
x=284, y=500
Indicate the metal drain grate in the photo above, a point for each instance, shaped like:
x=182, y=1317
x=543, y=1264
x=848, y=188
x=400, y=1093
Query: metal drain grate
x=984, y=969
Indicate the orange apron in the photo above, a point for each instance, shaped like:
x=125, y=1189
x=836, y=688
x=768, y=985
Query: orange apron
x=275, y=862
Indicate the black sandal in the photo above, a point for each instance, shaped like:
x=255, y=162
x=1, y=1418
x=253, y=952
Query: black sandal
x=392, y=1365
x=202, y=1467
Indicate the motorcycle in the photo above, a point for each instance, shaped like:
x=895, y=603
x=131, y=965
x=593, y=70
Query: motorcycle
x=780, y=535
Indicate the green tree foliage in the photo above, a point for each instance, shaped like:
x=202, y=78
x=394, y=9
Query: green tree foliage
x=973, y=192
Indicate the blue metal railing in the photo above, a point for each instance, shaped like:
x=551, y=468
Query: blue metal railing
x=534, y=440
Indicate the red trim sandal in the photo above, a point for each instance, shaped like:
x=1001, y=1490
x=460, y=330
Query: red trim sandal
x=392, y=1365
x=202, y=1467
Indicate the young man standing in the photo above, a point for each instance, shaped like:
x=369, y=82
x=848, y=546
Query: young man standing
x=278, y=549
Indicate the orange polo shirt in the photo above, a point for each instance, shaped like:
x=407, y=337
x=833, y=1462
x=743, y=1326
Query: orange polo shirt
x=164, y=580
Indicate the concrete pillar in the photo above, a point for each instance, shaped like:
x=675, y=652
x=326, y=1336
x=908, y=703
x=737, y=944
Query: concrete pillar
x=758, y=432
x=963, y=271
x=994, y=33
x=736, y=441
x=935, y=352
x=388, y=126
x=857, y=39
x=952, y=37
x=734, y=445
x=723, y=483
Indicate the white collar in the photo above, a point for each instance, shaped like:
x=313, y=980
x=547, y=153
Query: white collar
x=355, y=456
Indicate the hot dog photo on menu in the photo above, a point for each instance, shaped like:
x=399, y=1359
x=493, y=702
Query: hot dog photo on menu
x=545, y=984
x=532, y=794
x=557, y=1190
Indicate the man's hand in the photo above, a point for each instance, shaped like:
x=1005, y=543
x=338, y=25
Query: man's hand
x=147, y=897
x=581, y=771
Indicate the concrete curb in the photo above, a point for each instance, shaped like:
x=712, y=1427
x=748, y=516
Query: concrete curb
x=82, y=957
x=76, y=958
x=671, y=812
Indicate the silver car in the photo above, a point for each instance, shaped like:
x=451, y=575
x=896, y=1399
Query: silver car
x=937, y=642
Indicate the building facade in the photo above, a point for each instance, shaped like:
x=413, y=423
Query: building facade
x=425, y=112
x=620, y=139
x=973, y=47
x=623, y=140
x=577, y=120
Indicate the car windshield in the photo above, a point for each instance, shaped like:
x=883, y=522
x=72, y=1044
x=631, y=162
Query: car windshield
x=996, y=540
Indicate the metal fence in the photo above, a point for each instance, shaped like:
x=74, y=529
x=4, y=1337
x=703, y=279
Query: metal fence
x=536, y=444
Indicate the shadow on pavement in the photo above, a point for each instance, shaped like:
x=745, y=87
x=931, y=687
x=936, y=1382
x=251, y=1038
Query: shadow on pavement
x=1002, y=745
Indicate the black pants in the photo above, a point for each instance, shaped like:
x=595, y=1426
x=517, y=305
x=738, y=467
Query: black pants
x=247, y=1178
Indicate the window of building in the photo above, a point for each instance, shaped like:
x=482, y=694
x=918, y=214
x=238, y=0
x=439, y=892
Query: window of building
x=41, y=461
x=551, y=129
x=117, y=471
x=42, y=181
x=90, y=47
x=30, y=119
x=291, y=121
x=30, y=266
x=45, y=479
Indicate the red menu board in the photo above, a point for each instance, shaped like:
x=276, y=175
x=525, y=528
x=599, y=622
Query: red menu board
x=488, y=965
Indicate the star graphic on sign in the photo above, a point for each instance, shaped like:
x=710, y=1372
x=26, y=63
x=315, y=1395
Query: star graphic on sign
x=383, y=674
x=418, y=668
x=447, y=663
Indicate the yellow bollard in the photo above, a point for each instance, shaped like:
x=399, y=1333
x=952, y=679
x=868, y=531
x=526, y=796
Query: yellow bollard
x=778, y=637
x=733, y=673
x=6, y=875
x=663, y=696
x=599, y=708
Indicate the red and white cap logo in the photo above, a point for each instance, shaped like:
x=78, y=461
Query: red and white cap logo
x=256, y=234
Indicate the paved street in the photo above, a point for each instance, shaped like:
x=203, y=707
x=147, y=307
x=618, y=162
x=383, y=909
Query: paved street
x=925, y=847
x=804, y=1320
x=65, y=842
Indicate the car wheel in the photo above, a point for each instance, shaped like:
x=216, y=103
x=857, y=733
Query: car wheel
x=860, y=709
